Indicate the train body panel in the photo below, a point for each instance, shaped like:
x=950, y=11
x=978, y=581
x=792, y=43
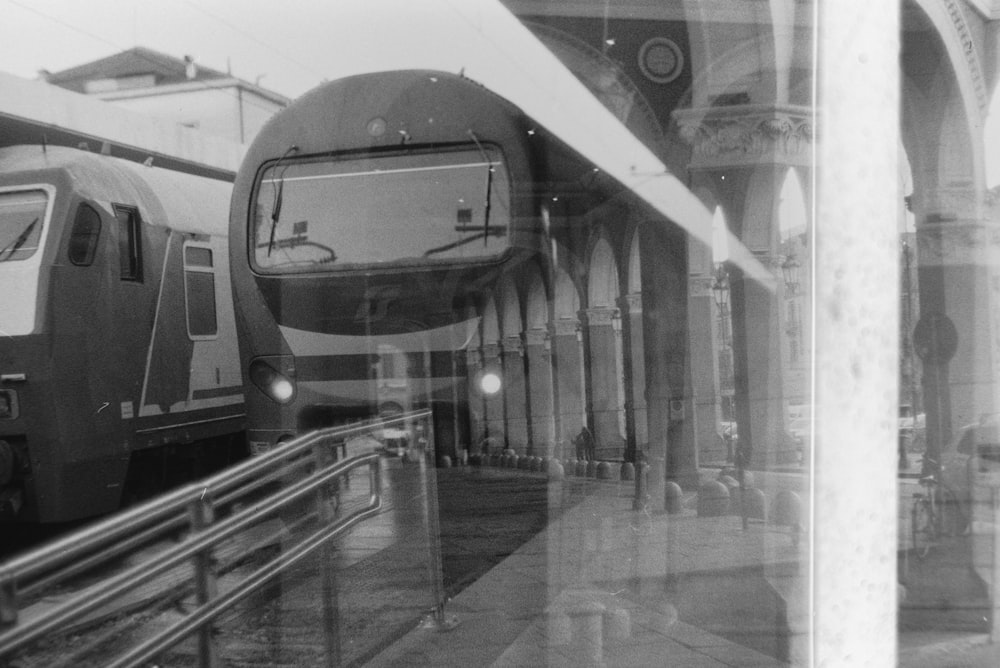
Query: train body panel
x=131, y=345
x=373, y=218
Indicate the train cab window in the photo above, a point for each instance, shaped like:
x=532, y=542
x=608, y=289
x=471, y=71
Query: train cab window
x=407, y=209
x=21, y=217
x=83, y=238
x=129, y=243
x=199, y=292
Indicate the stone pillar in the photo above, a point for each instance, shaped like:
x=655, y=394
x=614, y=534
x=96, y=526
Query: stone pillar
x=567, y=352
x=633, y=306
x=757, y=317
x=477, y=402
x=604, y=335
x=515, y=394
x=705, y=384
x=959, y=297
x=493, y=406
x=539, y=356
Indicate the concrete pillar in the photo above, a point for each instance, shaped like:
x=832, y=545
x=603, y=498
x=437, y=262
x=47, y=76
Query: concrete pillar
x=493, y=406
x=515, y=394
x=705, y=382
x=633, y=307
x=857, y=334
x=567, y=351
x=958, y=307
x=604, y=336
x=539, y=355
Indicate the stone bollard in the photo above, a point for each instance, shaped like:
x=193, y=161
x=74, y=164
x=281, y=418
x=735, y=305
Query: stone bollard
x=555, y=470
x=617, y=624
x=445, y=462
x=587, y=617
x=787, y=510
x=581, y=468
x=713, y=499
x=754, y=503
x=673, y=497
x=603, y=471
x=628, y=471
x=591, y=471
x=735, y=494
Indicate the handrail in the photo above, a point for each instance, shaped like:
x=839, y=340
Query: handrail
x=192, y=507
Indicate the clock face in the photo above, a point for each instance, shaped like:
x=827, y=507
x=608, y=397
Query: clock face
x=661, y=60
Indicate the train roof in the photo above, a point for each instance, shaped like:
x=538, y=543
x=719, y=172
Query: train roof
x=166, y=198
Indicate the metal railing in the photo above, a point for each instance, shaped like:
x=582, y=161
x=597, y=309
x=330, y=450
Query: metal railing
x=190, y=536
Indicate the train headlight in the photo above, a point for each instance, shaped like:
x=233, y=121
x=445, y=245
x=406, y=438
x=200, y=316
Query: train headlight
x=275, y=384
x=489, y=382
x=8, y=404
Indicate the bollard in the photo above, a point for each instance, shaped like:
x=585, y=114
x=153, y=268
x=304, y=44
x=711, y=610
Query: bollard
x=787, y=511
x=555, y=470
x=673, y=497
x=754, y=503
x=713, y=499
x=591, y=470
x=602, y=471
x=445, y=462
x=581, y=468
x=617, y=624
x=628, y=471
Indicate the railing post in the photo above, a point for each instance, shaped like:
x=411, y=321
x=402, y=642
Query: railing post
x=8, y=603
x=327, y=510
x=206, y=584
x=427, y=469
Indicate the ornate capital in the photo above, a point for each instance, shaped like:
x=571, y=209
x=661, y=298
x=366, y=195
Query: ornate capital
x=601, y=315
x=565, y=327
x=747, y=135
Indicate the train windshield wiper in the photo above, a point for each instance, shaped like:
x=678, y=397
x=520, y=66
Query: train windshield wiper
x=15, y=245
x=279, y=181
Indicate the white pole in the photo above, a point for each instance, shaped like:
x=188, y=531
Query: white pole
x=856, y=317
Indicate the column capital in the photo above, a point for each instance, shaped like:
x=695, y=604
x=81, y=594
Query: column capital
x=747, y=135
x=602, y=315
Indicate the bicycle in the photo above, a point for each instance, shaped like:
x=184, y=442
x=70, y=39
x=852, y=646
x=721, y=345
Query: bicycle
x=929, y=522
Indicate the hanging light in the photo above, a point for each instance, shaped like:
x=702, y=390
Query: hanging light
x=721, y=287
x=790, y=271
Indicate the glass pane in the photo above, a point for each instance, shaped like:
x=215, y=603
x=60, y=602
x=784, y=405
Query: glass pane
x=22, y=215
x=415, y=207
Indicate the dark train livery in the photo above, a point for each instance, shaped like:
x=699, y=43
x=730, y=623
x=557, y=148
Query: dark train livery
x=372, y=222
x=119, y=372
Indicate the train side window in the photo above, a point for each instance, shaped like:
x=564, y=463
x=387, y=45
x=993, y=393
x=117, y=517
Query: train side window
x=83, y=238
x=199, y=292
x=129, y=243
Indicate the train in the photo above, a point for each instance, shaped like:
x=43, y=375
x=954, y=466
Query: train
x=375, y=223
x=119, y=368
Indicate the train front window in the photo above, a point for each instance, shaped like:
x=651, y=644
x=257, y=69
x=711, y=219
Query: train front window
x=408, y=209
x=21, y=217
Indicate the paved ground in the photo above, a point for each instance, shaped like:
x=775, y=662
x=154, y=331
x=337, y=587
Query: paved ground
x=607, y=586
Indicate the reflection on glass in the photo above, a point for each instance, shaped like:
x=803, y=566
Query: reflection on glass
x=21, y=216
x=411, y=208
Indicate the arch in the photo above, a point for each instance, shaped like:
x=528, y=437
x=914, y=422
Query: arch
x=602, y=284
x=566, y=304
x=510, y=309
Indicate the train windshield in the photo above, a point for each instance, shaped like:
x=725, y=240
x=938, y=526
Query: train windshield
x=401, y=210
x=21, y=217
